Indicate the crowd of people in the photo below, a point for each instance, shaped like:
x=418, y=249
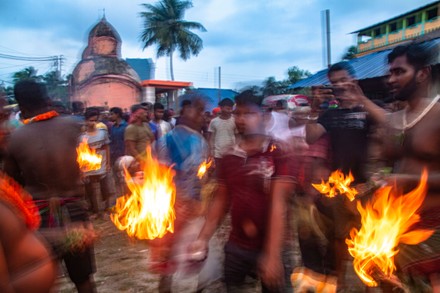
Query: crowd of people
x=264, y=161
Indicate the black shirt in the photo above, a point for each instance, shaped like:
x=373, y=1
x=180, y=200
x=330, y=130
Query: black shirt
x=348, y=130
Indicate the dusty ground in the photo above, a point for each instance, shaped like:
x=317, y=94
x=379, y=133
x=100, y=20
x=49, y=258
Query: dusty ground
x=122, y=264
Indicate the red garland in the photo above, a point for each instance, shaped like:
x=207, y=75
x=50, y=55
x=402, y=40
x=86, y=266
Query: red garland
x=41, y=117
x=21, y=201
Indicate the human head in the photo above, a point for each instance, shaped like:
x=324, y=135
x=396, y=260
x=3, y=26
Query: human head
x=341, y=72
x=138, y=113
x=410, y=70
x=192, y=112
x=32, y=97
x=149, y=107
x=226, y=106
x=159, y=111
x=249, y=117
x=115, y=114
x=281, y=105
x=91, y=116
x=77, y=107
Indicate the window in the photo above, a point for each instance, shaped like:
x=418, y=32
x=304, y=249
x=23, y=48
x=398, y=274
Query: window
x=432, y=13
x=393, y=27
x=377, y=32
x=411, y=20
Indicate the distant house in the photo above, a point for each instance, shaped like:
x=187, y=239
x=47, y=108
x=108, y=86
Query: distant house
x=421, y=23
x=144, y=67
x=212, y=96
x=375, y=42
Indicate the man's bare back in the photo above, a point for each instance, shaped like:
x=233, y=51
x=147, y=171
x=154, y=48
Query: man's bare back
x=42, y=155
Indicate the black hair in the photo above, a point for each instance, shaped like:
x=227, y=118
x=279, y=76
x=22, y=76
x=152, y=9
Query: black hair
x=90, y=112
x=147, y=105
x=281, y=104
x=226, y=102
x=343, y=65
x=158, y=106
x=248, y=97
x=117, y=111
x=185, y=103
x=418, y=55
x=31, y=95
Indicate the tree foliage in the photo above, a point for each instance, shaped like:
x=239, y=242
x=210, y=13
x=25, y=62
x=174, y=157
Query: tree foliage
x=350, y=54
x=57, y=86
x=271, y=86
x=165, y=27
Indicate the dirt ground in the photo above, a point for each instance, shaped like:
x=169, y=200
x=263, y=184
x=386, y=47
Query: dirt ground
x=121, y=263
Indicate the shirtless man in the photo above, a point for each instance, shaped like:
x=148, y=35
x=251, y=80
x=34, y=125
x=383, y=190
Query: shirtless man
x=42, y=156
x=412, y=143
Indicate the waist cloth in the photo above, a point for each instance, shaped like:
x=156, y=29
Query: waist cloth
x=423, y=258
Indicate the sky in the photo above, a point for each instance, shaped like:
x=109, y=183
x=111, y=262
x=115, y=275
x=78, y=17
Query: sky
x=249, y=40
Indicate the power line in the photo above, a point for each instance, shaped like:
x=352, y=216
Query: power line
x=25, y=58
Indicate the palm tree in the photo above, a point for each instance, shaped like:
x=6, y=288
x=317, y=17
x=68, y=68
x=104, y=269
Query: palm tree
x=165, y=27
x=26, y=73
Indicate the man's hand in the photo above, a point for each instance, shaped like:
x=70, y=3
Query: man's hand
x=351, y=92
x=271, y=271
x=198, y=250
x=320, y=94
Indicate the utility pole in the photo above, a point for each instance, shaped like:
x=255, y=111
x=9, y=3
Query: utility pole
x=219, y=83
x=326, y=44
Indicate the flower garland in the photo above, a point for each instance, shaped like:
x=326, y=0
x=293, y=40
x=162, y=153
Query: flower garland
x=21, y=201
x=41, y=117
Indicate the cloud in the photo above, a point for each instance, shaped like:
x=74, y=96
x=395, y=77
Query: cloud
x=250, y=40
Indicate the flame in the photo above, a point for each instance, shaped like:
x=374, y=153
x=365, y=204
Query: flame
x=203, y=168
x=147, y=213
x=337, y=184
x=87, y=158
x=386, y=222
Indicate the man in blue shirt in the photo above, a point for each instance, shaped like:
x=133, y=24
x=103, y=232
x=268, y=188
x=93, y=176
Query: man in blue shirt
x=117, y=143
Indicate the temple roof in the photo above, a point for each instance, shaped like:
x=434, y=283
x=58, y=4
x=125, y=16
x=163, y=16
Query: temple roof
x=104, y=29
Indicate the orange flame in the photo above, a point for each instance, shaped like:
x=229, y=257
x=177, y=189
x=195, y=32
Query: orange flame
x=386, y=222
x=337, y=184
x=203, y=168
x=87, y=158
x=147, y=213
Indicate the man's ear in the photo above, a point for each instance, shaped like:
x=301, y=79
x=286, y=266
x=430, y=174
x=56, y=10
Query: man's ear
x=423, y=74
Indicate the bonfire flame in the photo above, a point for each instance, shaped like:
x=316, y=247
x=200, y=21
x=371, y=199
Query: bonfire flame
x=148, y=212
x=337, y=184
x=386, y=222
x=203, y=168
x=87, y=158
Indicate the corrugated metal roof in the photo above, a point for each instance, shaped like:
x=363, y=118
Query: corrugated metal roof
x=367, y=66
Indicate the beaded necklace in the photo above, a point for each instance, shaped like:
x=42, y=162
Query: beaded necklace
x=406, y=125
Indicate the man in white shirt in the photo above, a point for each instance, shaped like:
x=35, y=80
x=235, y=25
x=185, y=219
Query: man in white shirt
x=222, y=130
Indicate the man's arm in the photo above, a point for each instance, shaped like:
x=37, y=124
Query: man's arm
x=130, y=147
x=271, y=264
x=313, y=132
x=216, y=213
x=355, y=92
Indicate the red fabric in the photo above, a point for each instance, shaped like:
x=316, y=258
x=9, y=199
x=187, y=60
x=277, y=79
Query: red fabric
x=215, y=111
x=248, y=182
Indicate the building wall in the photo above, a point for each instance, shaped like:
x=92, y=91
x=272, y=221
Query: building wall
x=116, y=93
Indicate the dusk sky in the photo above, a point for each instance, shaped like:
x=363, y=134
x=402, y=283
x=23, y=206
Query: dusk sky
x=249, y=39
